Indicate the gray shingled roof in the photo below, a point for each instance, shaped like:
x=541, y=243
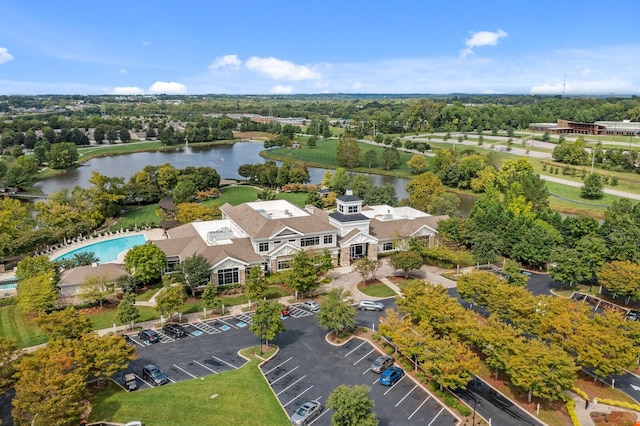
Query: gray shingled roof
x=382, y=229
x=75, y=276
x=353, y=217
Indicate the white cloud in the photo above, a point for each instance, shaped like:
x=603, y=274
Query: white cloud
x=5, y=56
x=226, y=61
x=482, y=38
x=281, y=90
x=281, y=70
x=123, y=71
x=168, y=88
x=146, y=43
x=127, y=90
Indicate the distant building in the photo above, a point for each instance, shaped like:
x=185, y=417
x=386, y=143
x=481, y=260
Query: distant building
x=613, y=128
x=71, y=280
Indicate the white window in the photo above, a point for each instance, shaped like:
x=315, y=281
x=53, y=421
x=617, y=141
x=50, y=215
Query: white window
x=328, y=239
x=284, y=264
x=340, y=208
x=388, y=246
x=228, y=276
x=309, y=241
x=262, y=247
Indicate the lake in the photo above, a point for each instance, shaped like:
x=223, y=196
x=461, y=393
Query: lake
x=224, y=158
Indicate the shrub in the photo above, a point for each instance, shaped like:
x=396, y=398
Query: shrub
x=580, y=392
x=389, y=350
x=634, y=407
x=463, y=410
x=8, y=301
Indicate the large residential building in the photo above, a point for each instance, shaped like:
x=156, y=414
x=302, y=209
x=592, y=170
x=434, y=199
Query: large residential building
x=269, y=234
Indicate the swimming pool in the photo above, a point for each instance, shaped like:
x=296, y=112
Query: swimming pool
x=107, y=251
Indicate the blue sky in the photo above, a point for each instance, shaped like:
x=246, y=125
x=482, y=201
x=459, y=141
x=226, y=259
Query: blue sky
x=293, y=47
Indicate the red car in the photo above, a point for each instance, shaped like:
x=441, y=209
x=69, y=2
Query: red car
x=286, y=311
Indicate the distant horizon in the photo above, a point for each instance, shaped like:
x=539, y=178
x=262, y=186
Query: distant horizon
x=285, y=47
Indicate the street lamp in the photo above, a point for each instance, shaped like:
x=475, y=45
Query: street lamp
x=475, y=400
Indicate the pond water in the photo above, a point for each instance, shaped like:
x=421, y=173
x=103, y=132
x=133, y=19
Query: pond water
x=224, y=158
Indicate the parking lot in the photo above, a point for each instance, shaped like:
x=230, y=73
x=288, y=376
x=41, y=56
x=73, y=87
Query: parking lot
x=311, y=368
x=211, y=347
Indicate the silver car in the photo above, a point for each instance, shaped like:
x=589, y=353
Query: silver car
x=382, y=363
x=370, y=305
x=306, y=413
x=310, y=305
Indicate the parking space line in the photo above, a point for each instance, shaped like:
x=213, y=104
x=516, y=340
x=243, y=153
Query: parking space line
x=290, y=358
x=285, y=374
x=404, y=397
x=321, y=414
x=222, y=360
x=419, y=407
x=291, y=385
x=394, y=385
x=369, y=353
x=434, y=419
x=204, y=366
x=355, y=349
x=376, y=381
x=203, y=326
x=298, y=396
x=230, y=325
x=144, y=381
x=184, y=371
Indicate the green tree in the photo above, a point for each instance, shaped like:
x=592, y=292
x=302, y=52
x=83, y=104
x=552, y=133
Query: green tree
x=267, y=321
x=423, y=189
x=390, y=158
x=97, y=288
x=62, y=155
x=370, y=157
x=8, y=357
x=348, y=152
x=485, y=248
x=406, y=261
x=184, y=191
x=33, y=266
x=567, y=267
x=38, y=294
x=302, y=277
x=210, y=298
x=256, y=287
x=417, y=163
x=513, y=273
x=314, y=199
x=145, y=262
x=340, y=181
x=366, y=267
x=127, y=311
x=196, y=272
x=352, y=406
x=65, y=324
x=124, y=134
x=592, y=188
x=337, y=311
x=170, y=299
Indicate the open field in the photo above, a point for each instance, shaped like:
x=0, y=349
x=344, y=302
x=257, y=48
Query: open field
x=242, y=398
x=19, y=327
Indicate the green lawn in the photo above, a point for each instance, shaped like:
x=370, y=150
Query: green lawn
x=19, y=327
x=377, y=290
x=324, y=156
x=243, y=398
x=107, y=318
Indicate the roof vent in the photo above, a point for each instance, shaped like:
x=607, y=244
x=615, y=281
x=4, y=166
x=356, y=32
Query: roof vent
x=348, y=192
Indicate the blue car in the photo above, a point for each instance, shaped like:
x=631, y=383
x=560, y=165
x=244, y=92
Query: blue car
x=391, y=375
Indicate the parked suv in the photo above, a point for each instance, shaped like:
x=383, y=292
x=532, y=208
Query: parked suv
x=174, y=330
x=149, y=336
x=154, y=375
x=370, y=305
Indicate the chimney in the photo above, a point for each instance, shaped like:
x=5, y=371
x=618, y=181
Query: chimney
x=348, y=191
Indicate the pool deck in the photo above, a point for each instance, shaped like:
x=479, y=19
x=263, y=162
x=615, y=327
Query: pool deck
x=150, y=234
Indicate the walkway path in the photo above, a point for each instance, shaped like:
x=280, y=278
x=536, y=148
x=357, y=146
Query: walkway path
x=584, y=413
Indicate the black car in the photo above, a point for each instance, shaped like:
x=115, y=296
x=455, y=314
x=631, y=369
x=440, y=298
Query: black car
x=154, y=375
x=174, y=330
x=149, y=336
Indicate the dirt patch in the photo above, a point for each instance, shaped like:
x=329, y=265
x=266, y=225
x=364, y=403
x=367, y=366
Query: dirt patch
x=368, y=284
x=96, y=309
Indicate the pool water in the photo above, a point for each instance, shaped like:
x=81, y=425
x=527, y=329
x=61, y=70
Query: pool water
x=107, y=251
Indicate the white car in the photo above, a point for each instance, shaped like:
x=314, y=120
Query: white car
x=370, y=305
x=310, y=305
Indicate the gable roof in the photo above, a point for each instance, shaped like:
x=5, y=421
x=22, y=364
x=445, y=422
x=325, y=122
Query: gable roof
x=75, y=276
x=387, y=229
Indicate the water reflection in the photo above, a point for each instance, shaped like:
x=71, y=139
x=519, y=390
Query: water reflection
x=224, y=158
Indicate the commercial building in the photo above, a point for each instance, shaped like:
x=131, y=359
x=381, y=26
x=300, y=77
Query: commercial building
x=613, y=128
